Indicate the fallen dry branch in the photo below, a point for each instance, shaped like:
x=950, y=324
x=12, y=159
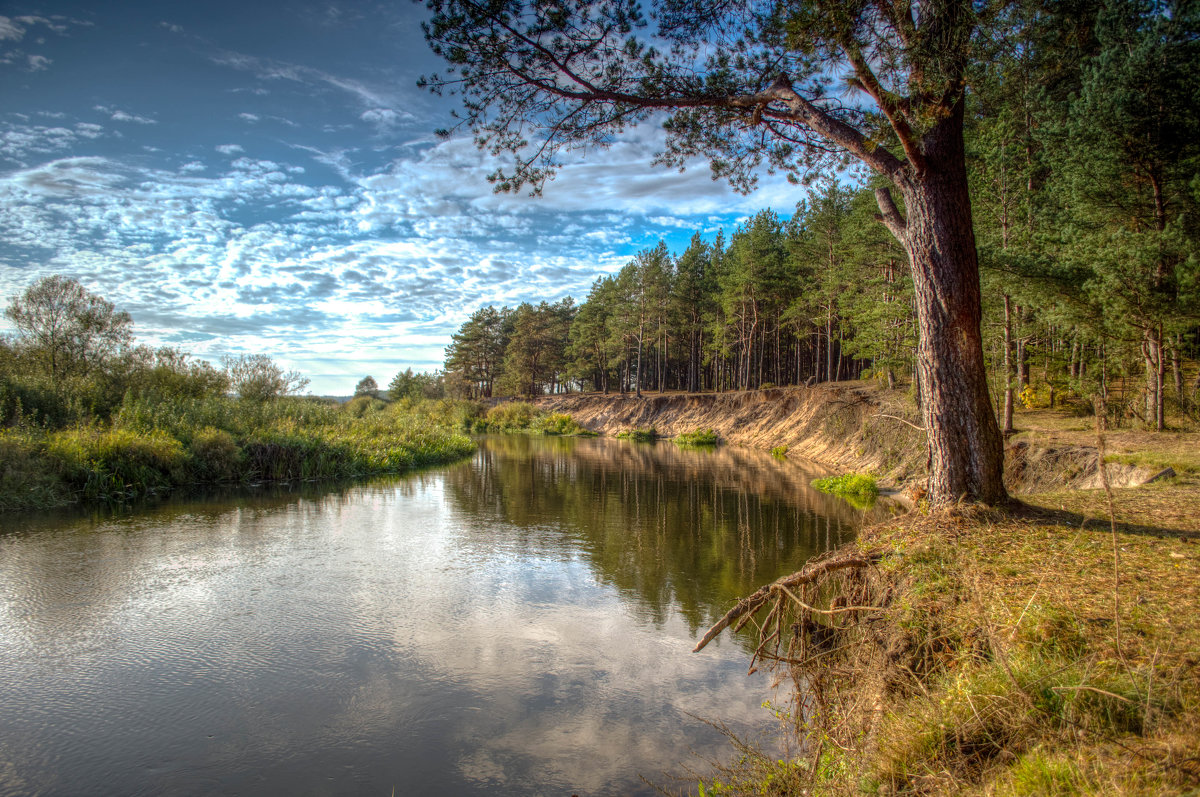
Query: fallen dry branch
x=811, y=572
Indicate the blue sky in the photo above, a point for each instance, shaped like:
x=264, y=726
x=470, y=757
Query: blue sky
x=262, y=177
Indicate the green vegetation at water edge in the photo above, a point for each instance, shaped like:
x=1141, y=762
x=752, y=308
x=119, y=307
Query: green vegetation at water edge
x=858, y=488
x=639, y=435
x=521, y=417
x=86, y=414
x=699, y=437
x=779, y=452
x=153, y=446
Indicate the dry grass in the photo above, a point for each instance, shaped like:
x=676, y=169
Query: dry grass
x=1013, y=657
x=1178, y=447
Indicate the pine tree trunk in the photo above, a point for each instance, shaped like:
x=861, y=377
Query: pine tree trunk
x=1009, y=367
x=1177, y=373
x=966, y=455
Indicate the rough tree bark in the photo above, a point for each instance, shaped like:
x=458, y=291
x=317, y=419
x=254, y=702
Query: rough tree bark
x=966, y=453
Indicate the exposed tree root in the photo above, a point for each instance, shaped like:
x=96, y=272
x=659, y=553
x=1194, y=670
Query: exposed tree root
x=780, y=591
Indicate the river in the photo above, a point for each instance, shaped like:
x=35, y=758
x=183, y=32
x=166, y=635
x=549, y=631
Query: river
x=517, y=623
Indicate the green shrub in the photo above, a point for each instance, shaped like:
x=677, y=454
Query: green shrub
x=27, y=479
x=639, y=435
x=558, y=423
x=858, y=489
x=361, y=405
x=511, y=416
x=699, y=437
x=216, y=457
x=779, y=452
x=116, y=464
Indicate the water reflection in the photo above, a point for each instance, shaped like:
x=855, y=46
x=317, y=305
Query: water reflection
x=686, y=530
x=518, y=623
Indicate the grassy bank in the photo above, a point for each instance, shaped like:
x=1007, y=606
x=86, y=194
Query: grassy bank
x=522, y=417
x=155, y=446
x=1028, y=651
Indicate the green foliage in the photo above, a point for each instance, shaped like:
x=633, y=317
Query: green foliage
x=65, y=331
x=779, y=452
x=117, y=464
x=215, y=456
x=559, y=423
x=511, y=416
x=367, y=386
x=639, y=435
x=361, y=405
x=521, y=416
x=26, y=479
x=417, y=386
x=256, y=377
x=154, y=445
x=699, y=437
x=857, y=488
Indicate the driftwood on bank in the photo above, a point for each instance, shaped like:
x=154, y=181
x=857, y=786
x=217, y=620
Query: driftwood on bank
x=782, y=588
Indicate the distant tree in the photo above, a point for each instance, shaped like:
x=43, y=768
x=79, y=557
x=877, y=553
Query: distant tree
x=66, y=330
x=367, y=386
x=476, y=352
x=408, y=384
x=169, y=373
x=256, y=377
x=535, y=355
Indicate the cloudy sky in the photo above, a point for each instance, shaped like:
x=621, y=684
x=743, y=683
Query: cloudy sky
x=262, y=177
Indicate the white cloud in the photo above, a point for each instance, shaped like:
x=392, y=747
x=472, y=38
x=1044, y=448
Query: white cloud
x=13, y=29
x=229, y=149
x=249, y=117
x=36, y=63
x=384, y=119
x=122, y=116
x=268, y=69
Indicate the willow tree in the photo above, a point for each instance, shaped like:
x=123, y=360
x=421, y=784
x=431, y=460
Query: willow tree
x=793, y=86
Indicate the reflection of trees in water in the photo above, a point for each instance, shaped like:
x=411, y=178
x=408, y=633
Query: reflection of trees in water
x=697, y=529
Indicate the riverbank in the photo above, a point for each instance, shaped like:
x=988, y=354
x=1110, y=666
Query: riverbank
x=1035, y=650
x=154, y=447
x=863, y=427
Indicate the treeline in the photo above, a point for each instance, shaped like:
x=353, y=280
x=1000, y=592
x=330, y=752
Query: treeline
x=1085, y=171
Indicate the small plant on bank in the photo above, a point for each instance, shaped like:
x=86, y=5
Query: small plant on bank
x=859, y=489
x=699, y=437
x=511, y=416
x=639, y=435
x=559, y=424
x=779, y=452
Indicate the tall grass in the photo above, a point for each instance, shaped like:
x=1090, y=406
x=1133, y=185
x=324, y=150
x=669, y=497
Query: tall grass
x=153, y=445
x=523, y=417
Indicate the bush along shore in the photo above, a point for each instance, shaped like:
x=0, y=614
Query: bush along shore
x=153, y=446
x=521, y=417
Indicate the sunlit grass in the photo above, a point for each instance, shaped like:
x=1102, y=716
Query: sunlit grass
x=154, y=446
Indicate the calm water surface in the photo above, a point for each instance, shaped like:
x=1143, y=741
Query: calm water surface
x=519, y=623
